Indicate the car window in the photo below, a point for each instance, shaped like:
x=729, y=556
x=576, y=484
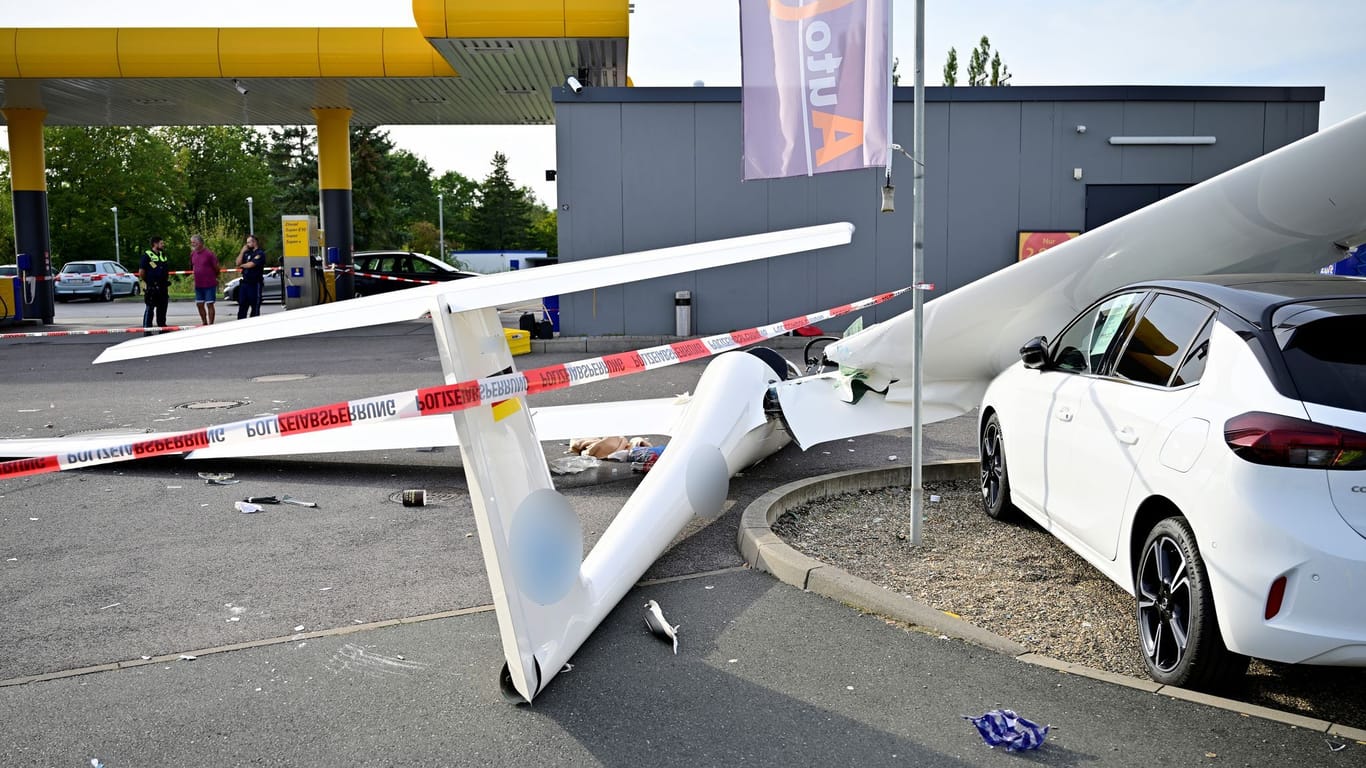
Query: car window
x=1194, y=367
x=1160, y=339
x=1327, y=362
x=78, y=268
x=1082, y=346
x=385, y=264
x=422, y=267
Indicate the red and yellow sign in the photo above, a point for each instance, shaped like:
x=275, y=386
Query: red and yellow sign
x=1034, y=243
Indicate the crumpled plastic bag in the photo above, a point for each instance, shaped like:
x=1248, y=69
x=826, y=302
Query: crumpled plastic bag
x=565, y=465
x=1003, y=726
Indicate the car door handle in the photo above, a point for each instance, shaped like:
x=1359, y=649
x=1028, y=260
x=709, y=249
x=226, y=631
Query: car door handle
x=1063, y=413
x=1126, y=436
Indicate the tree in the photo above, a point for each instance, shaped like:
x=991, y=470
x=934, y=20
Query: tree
x=985, y=67
x=372, y=212
x=545, y=233
x=7, y=245
x=459, y=194
x=90, y=170
x=293, y=165
x=222, y=167
x=982, y=58
x=501, y=219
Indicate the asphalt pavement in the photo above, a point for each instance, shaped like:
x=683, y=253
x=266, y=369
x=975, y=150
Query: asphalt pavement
x=148, y=623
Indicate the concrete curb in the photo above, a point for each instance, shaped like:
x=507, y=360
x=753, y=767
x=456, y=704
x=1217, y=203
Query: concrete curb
x=763, y=550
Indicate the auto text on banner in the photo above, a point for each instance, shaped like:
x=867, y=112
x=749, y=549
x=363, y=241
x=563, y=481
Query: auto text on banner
x=815, y=86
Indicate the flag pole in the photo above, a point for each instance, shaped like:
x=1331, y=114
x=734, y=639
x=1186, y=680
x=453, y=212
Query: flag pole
x=918, y=279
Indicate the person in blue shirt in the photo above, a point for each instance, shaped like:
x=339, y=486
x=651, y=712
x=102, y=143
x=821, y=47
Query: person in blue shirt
x=252, y=261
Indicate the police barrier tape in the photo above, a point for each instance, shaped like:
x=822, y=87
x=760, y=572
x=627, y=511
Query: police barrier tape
x=96, y=331
x=430, y=401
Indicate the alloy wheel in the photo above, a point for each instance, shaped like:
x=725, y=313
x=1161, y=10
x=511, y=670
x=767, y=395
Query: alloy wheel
x=1164, y=603
x=993, y=465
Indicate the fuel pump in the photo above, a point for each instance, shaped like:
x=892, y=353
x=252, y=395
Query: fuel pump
x=301, y=260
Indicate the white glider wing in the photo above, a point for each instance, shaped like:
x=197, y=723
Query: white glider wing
x=501, y=289
x=1292, y=210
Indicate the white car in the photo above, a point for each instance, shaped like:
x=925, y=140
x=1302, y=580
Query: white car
x=97, y=280
x=1203, y=443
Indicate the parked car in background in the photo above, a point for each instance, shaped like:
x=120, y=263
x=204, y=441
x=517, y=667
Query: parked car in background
x=9, y=270
x=272, y=290
x=1203, y=443
x=413, y=269
x=96, y=280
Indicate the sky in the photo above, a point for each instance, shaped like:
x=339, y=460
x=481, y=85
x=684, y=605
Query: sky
x=672, y=43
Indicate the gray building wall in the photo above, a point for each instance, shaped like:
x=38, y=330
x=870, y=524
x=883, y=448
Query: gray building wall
x=642, y=168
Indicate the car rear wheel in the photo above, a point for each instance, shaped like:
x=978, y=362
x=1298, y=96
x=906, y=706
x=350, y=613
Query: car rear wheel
x=107, y=294
x=1177, y=625
x=137, y=289
x=995, y=480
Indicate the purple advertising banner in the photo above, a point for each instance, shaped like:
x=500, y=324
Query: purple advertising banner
x=816, y=85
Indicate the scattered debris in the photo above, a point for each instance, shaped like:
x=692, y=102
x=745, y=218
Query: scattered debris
x=659, y=626
x=415, y=497
x=613, y=447
x=566, y=668
x=892, y=457
x=187, y=657
x=1003, y=726
x=299, y=628
x=934, y=498
x=566, y=465
x=261, y=500
x=287, y=499
x=1334, y=747
x=247, y=508
x=111, y=605
x=218, y=478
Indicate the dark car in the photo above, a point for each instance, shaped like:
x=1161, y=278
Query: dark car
x=384, y=271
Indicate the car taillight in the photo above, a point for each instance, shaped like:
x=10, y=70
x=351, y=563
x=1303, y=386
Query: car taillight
x=96, y=277
x=1283, y=441
x=1274, y=598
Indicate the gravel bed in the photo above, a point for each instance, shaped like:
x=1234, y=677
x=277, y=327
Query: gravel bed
x=1014, y=579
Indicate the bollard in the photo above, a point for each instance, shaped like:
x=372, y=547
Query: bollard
x=682, y=313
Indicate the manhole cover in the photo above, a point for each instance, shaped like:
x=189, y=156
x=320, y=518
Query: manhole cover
x=435, y=496
x=277, y=377
x=210, y=405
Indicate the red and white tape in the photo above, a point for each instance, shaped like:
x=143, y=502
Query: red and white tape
x=94, y=332
x=389, y=277
x=430, y=401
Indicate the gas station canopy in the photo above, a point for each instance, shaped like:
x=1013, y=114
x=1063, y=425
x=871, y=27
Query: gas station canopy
x=463, y=62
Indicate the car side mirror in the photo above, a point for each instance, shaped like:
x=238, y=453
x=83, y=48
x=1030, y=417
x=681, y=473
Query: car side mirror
x=1034, y=353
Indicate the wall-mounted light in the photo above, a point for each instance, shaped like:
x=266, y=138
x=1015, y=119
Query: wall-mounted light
x=1081, y=129
x=242, y=89
x=1076, y=174
x=1168, y=140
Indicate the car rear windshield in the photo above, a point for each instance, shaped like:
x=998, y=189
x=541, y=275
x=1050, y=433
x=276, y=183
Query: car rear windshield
x=1327, y=361
x=79, y=268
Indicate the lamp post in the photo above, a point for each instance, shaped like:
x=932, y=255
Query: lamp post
x=251, y=218
x=115, y=209
x=441, y=223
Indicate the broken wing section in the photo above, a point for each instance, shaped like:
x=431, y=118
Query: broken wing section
x=1292, y=210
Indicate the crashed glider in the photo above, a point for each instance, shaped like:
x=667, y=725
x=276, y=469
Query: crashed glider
x=1295, y=209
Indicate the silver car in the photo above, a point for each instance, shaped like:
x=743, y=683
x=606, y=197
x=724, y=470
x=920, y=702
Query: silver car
x=272, y=290
x=95, y=280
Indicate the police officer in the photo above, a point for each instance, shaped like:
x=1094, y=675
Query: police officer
x=252, y=261
x=156, y=287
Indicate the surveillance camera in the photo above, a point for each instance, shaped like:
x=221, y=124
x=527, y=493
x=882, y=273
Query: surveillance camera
x=242, y=89
x=574, y=84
